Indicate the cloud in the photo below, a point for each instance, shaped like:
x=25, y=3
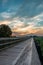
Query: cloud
x=23, y=22
x=20, y=25
x=39, y=20
x=4, y=2
x=23, y=8
x=23, y=16
x=30, y=8
x=5, y=22
x=5, y=15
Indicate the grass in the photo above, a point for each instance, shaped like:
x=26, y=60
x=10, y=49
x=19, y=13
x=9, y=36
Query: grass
x=39, y=40
x=39, y=46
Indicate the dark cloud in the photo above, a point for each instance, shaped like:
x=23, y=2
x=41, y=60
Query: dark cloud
x=29, y=8
x=26, y=9
x=22, y=8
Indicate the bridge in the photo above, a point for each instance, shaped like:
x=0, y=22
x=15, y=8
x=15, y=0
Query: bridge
x=23, y=52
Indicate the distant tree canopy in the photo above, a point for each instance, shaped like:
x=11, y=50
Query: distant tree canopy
x=5, y=31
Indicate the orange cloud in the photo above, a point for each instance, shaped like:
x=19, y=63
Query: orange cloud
x=20, y=27
x=28, y=30
x=5, y=22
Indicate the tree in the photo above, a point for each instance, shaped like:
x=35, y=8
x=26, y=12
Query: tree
x=5, y=31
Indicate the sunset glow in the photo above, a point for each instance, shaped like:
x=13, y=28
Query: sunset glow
x=22, y=16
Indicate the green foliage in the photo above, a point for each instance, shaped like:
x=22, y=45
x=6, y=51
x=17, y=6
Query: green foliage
x=5, y=31
x=40, y=41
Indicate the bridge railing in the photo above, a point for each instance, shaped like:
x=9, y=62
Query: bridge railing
x=9, y=41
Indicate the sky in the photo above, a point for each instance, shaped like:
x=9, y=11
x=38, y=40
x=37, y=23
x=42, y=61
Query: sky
x=23, y=16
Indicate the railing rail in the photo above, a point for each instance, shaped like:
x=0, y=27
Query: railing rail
x=6, y=42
